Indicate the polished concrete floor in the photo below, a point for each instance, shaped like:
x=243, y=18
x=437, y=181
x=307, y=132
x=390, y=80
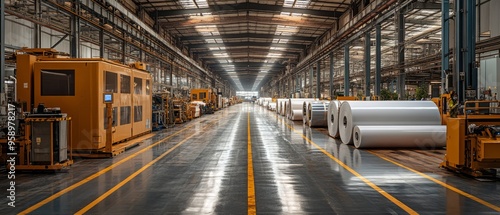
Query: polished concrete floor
x=202, y=167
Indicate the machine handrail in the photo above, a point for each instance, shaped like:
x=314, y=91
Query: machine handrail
x=476, y=107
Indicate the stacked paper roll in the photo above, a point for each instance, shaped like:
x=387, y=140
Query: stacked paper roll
x=415, y=136
x=305, y=113
x=279, y=105
x=317, y=114
x=296, y=115
x=360, y=113
x=285, y=108
x=295, y=104
x=271, y=106
x=263, y=100
x=333, y=118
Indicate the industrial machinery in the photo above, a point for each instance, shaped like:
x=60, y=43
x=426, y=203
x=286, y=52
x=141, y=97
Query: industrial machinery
x=207, y=96
x=179, y=110
x=163, y=113
x=442, y=103
x=80, y=89
x=473, y=140
x=42, y=141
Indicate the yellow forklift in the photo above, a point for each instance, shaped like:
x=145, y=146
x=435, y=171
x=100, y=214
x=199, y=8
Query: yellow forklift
x=473, y=140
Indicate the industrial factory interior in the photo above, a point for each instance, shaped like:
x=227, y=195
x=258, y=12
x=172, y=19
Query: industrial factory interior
x=250, y=107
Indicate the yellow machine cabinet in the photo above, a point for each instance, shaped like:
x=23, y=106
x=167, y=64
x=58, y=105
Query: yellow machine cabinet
x=472, y=141
x=455, y=142
x=77, y=87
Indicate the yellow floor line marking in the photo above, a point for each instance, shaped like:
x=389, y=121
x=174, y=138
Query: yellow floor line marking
x=251, y=185
x=97, y=174
x=470, y=196
x=130, y=177
x=352, y=171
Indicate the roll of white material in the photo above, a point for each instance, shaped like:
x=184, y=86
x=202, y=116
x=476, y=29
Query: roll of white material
x=296, y=115
x=358, y=113
x=305, y=113
x=279, y=105
x=272, y=106
x=263, y=100
x=295, y=104
x=285, y=108
x=333, y=118
x=412, y=136
x=317, y=114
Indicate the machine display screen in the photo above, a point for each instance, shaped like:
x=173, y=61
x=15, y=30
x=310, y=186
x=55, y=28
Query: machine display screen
x=108, y=98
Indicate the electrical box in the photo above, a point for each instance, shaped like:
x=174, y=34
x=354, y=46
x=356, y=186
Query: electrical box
x=49, y=141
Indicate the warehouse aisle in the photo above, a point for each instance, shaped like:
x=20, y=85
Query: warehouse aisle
x=204, y=167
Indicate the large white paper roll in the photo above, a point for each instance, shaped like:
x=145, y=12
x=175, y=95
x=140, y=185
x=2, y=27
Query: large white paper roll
x=279, y=105
x=271, y=106
x=305, y=113
x=316, y=113
x=358, y=113
x=416, y=136
x=296, y=115
x=263, y=100
x=295, y=104
x=285, y=108
x=333, y=118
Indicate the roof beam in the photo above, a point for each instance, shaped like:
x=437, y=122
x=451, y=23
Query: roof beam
x=247, y=50
x=246, y=44
x=276, y=20
x=260, y=56
x=248, y=35
x=246, y=7
x=423, y=22
x=247, y=64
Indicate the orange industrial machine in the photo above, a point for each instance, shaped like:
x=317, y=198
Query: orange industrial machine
x=207, y=96
x=472, y=140
x=442, y=103
x=78, y=87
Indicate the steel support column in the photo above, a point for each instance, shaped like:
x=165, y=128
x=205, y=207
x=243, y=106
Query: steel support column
x=401, y=54
x=318, y=79
x=378, y=59
x=445, y=43
x=75, y=31
x=2, y=45
x=311, y=78
x=101, y=43
x=124, y=47
x=470, y=58
x=459, y=73
x=37, y=36
x=171, y=81
x=331, y=76
x=305, y=83
x=367, y=64
x=346, y=70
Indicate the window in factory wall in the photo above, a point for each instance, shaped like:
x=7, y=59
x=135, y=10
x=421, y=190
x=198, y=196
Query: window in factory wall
x=111, y=82
x=125, y=84
x=65, y=80
x=137, y=113
x=138, y=85
x=125, y=115
x=114, y=114
x=147, y=88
